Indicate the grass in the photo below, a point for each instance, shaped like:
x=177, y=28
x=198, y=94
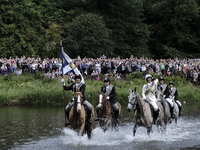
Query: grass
x=36, y=89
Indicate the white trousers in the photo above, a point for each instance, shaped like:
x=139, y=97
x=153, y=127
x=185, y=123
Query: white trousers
x=155, y=106
x=170, y=101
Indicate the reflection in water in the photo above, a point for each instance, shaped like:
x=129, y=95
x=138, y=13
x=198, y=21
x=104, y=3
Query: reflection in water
x=43, y=128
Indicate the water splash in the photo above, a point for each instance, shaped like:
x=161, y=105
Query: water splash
x=186, y=133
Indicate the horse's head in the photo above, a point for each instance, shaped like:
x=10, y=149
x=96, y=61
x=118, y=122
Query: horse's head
x=132, y=99
x=159, y=95
x=78, y=100
x=102, y=98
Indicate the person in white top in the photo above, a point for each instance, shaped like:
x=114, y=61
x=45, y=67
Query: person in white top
x=148, y=94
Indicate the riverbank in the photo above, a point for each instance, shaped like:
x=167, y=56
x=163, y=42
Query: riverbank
x=37, y=89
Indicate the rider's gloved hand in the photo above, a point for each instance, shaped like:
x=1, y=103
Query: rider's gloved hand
x=108, y=97
x=63, y=81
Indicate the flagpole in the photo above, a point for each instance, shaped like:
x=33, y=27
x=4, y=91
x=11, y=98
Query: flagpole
x=64, y=101
x=64, y=97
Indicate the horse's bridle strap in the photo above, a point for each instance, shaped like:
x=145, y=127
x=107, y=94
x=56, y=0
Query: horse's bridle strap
x=131, y=103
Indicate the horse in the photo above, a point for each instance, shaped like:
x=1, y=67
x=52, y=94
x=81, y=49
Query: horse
x=77, y=116
x=175, y=111
x=166, y=107
x=143, y=114
x=106, y=115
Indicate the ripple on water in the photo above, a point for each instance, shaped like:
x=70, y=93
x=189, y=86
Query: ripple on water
x=181, y=135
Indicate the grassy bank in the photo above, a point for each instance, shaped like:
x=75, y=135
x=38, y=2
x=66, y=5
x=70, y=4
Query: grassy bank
x=38, y=90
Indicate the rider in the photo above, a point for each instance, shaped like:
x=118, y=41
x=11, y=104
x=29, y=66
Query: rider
x=164, y=88
x=148, y=94
x=174, y=94
x=110, y=94
x=78, y=85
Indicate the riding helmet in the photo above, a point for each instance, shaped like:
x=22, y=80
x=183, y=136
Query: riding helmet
x=107, y=80
x=148, y=76
x=171, y=82
x=161, y=78
x=78, y=76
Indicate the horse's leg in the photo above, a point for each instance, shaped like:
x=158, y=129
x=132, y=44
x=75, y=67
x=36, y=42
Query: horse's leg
x=82, y=129
x=149, y=129
x=108, y=123
x=176, y=118
x=89, y=130
x=135, y=128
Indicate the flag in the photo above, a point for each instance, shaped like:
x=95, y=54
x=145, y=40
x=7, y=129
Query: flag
x=68, y=67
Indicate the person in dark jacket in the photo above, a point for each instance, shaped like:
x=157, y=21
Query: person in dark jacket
x=110, y=94
x=164, y=88
x=78, y=85
x=174, y=94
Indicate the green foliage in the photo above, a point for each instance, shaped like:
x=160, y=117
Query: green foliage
x=39, y=90
x=149, y=28
x=88, y=36
x=173, y=27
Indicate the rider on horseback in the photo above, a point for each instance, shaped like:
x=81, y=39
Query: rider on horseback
x=110, y=94
x=78, y=86
x=164, y=88
x=148, y=94
x=174, y=94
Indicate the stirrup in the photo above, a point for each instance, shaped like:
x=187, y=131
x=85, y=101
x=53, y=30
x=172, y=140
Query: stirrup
x=96, y=119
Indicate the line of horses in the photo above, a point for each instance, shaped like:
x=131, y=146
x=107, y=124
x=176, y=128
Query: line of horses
x=143, y=114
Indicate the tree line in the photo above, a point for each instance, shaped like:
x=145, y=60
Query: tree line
x=91, y=28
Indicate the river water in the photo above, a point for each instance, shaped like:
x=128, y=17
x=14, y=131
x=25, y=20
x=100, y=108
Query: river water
x=42, y=128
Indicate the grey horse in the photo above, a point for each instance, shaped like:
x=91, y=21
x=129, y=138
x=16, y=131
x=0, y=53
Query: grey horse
x=166, y=109
x=143, y=114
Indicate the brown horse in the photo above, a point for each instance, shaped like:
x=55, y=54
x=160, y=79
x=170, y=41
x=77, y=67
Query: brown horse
x=106, y=114
x=143, y=114
x=77, y=116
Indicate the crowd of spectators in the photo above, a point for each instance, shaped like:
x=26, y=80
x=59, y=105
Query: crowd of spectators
x=112, y=67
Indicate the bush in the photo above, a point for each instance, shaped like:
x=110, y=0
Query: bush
x=37, y=90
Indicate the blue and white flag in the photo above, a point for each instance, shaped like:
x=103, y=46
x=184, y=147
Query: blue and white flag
x=68, y=67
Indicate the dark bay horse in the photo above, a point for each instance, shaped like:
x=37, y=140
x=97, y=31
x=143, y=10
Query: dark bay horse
x=143, y=114
x=77, y=116
x=105, y=114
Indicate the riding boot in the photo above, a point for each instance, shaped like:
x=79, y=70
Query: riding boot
x=89, y=113
x=180, y=114
x=67, y=119
x=171, y=112
x=97, y=118
x=156, y=114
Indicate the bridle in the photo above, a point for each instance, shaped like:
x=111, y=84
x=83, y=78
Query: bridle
x=136, y=102
x=104, y=104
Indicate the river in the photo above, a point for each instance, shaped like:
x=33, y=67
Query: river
x=42, y=128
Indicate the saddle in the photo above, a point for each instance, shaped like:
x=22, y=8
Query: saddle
x=85, y=107
x=152, y=109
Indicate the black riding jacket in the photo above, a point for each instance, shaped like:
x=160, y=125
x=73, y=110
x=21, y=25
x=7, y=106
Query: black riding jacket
x=73, y=88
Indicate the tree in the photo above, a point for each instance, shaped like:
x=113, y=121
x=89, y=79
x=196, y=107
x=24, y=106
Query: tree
x=174, y=27
x=88, y=36
x=125, y=19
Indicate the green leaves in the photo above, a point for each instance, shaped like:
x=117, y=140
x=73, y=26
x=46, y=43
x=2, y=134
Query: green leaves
x=88, y=36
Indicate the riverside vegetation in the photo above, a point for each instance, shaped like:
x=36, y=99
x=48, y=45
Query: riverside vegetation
x=39, y=90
